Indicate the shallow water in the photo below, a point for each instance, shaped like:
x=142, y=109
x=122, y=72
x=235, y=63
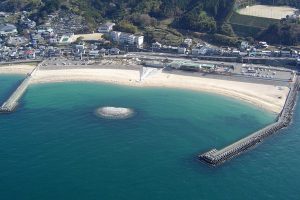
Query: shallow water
x=55, y=147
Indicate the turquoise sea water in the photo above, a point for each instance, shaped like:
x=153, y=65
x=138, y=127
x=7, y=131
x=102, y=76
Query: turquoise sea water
x=55, y=147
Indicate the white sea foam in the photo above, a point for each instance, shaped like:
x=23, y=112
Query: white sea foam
x=114, y=112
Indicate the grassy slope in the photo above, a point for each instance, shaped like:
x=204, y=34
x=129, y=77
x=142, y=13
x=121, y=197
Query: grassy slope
x=249, y=25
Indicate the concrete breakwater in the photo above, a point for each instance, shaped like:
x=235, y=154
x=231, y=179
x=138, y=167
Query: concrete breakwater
x=11, y=103
x=216, y=157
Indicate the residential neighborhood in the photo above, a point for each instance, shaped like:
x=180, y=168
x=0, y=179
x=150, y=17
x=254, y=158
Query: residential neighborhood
x=65, y=34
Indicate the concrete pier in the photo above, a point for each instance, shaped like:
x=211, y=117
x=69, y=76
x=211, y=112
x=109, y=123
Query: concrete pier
x=11, y=103
x=216, y=157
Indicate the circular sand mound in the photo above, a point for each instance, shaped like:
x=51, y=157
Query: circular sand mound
x=114, y=112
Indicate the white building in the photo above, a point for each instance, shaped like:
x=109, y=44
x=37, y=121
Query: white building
x=106, y=28
x=139, y=41
x=8, y=29
x=127, y=38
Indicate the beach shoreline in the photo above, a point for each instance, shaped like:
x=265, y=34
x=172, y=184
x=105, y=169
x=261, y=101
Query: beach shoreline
x=266, y=97
x=20, y=69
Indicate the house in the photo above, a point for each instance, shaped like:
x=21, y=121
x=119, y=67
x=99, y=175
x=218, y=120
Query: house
x=45, y=30
x=266, y=53
x=235, y=53
x=94, y=54
x=106, y=28
x=103, y=51
x=285, y=53
x=156, y=45
x=196, y=51
x=263, y=44
x=126, y=38
x=30, y=54
x=4, y=14
x=8, y=29
x=115, y=36
x=244, y=45
x=80, y=48
x=53, y=40
x=17, y=41
x=114, y=51
x=181, y=50
x=27, y=23
x=188, y=42
x=204, y=50
x=295, y=53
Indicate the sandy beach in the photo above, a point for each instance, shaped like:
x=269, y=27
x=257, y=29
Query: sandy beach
x=267, y=97
x=16, y=69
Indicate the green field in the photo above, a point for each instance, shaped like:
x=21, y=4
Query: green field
x=246, y=25
x=165, y=35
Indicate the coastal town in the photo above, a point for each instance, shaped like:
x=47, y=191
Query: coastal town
x=65, y=35
x=149, y=100
x=65, y=51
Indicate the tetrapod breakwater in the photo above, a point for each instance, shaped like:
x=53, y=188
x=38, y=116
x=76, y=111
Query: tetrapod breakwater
x=216, y=157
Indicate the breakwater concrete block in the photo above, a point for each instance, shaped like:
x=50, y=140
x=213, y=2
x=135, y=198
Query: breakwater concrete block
x=216, y=157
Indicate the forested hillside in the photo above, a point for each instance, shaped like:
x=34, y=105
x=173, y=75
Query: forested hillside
x=196, y=15
x=205, y=16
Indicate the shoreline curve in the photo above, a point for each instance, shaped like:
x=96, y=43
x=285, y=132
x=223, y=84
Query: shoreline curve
x=267, y=97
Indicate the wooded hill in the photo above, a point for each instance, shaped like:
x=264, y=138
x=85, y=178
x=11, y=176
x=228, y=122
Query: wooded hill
x=205, y=16
x=197, y=15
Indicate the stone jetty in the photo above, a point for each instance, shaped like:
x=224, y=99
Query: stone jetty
x=216, y=157
x=11, y=103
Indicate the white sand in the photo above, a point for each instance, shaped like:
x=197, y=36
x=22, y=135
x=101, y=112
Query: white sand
x=16, y=69
x=264, y=96
x=275, y=12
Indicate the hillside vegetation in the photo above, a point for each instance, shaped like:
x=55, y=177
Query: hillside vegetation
x=214, y=17
x=196, y=15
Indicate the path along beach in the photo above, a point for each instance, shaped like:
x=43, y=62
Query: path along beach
x=268, y=97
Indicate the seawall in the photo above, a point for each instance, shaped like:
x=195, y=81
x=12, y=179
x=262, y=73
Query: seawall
x=216, y=157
